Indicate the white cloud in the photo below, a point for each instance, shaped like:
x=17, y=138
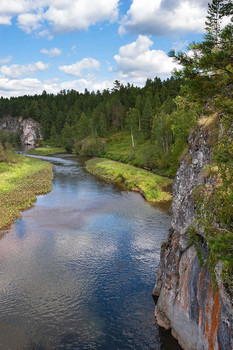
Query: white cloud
x=16, y=87
x=5, y=60
x=136, y=62
x=30, y=21
x=29, y=86
x=165, y=16
x=17, y=70
x=68, y=16
x=5, y=20
x=10, y=8
x=77, y=68
x=62, y=15
x=52, y=52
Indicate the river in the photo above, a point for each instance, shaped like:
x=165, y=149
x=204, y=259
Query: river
x=77, y=270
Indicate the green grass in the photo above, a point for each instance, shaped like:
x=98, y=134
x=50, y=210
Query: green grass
x=20, y=183
x=153, y=187
x=46, y=151
x=119, y=147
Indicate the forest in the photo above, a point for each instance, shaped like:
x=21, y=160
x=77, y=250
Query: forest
x=151, y=123
x=149, y=126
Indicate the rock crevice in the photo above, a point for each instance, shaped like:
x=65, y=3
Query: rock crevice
x=198, y=316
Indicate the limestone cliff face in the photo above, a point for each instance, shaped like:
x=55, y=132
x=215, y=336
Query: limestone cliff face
x=199, y=318
x=28, y=129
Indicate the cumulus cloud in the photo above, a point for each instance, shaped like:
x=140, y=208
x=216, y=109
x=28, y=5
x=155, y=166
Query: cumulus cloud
x=136, y=62
x=52, y=52
x=10, y=8
x=29, y=86
x=68, y=16
x=30, y=21
x=17, y=70
x=165, y=16
x=19, y=87
x=77, y=68
x=62, y=15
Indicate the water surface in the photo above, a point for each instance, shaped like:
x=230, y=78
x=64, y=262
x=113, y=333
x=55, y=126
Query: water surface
x=78, y=269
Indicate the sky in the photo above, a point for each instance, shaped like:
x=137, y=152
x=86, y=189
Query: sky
x=54, y=45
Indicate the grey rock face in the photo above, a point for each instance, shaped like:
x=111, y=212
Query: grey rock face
x=29, y=130
x=188, y=177
x=198, y=317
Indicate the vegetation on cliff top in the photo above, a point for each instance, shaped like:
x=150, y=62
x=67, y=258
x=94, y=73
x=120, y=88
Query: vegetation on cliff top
x=153, y=187
x=21, y=180
x=208, y=75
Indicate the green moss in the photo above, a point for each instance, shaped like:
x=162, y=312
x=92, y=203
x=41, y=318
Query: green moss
x=153, y=187
x=20, y=183
x=46, y=151
x=215, y=212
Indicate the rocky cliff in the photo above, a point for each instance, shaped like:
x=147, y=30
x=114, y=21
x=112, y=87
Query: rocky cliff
x=199, y=317
x=29, y=130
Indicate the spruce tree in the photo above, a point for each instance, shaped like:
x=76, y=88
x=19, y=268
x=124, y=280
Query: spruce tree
x=146, y=120
x=208, y=71
x=208, y=75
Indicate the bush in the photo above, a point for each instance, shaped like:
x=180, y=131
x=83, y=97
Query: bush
x=91, y=146
x=7, y=153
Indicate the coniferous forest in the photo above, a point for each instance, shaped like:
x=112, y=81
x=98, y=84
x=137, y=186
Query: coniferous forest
x=182, y=125
x=152, y=124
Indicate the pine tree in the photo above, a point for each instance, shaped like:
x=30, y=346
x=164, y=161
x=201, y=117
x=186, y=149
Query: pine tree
x=83, y=126
x=209, y=71
x=213, y=21
x=208, y=76
x=146, y=120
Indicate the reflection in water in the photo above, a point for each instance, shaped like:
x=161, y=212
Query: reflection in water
x=78, y=270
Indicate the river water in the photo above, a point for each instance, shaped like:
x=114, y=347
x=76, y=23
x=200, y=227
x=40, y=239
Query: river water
x=77, y=271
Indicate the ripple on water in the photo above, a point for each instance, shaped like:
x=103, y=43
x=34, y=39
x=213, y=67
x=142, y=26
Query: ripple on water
x=78, y=270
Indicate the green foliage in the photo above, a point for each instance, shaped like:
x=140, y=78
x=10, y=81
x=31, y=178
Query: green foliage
x=7, y=153
x=146, y=119
x=70, y=117
x=68, y=137
x=19, y=185
x=215, y=211
x=208, y=74
x=92, y=146
x=9, y=137
x=46, y=151
x=151, y=186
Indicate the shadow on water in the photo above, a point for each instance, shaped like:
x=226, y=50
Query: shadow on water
x=167, y=340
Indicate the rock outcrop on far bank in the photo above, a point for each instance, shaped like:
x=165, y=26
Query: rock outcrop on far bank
x=28, y=129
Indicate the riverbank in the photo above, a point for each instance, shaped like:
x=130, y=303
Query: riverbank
x=46, y=151
x=153, y=188
x=20, y=183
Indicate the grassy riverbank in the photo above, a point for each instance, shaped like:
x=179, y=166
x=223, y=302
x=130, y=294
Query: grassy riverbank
x=153, y=187
x=20, y=183
x=46, y=151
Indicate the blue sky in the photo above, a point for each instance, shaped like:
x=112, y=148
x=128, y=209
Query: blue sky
x=76, y=44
